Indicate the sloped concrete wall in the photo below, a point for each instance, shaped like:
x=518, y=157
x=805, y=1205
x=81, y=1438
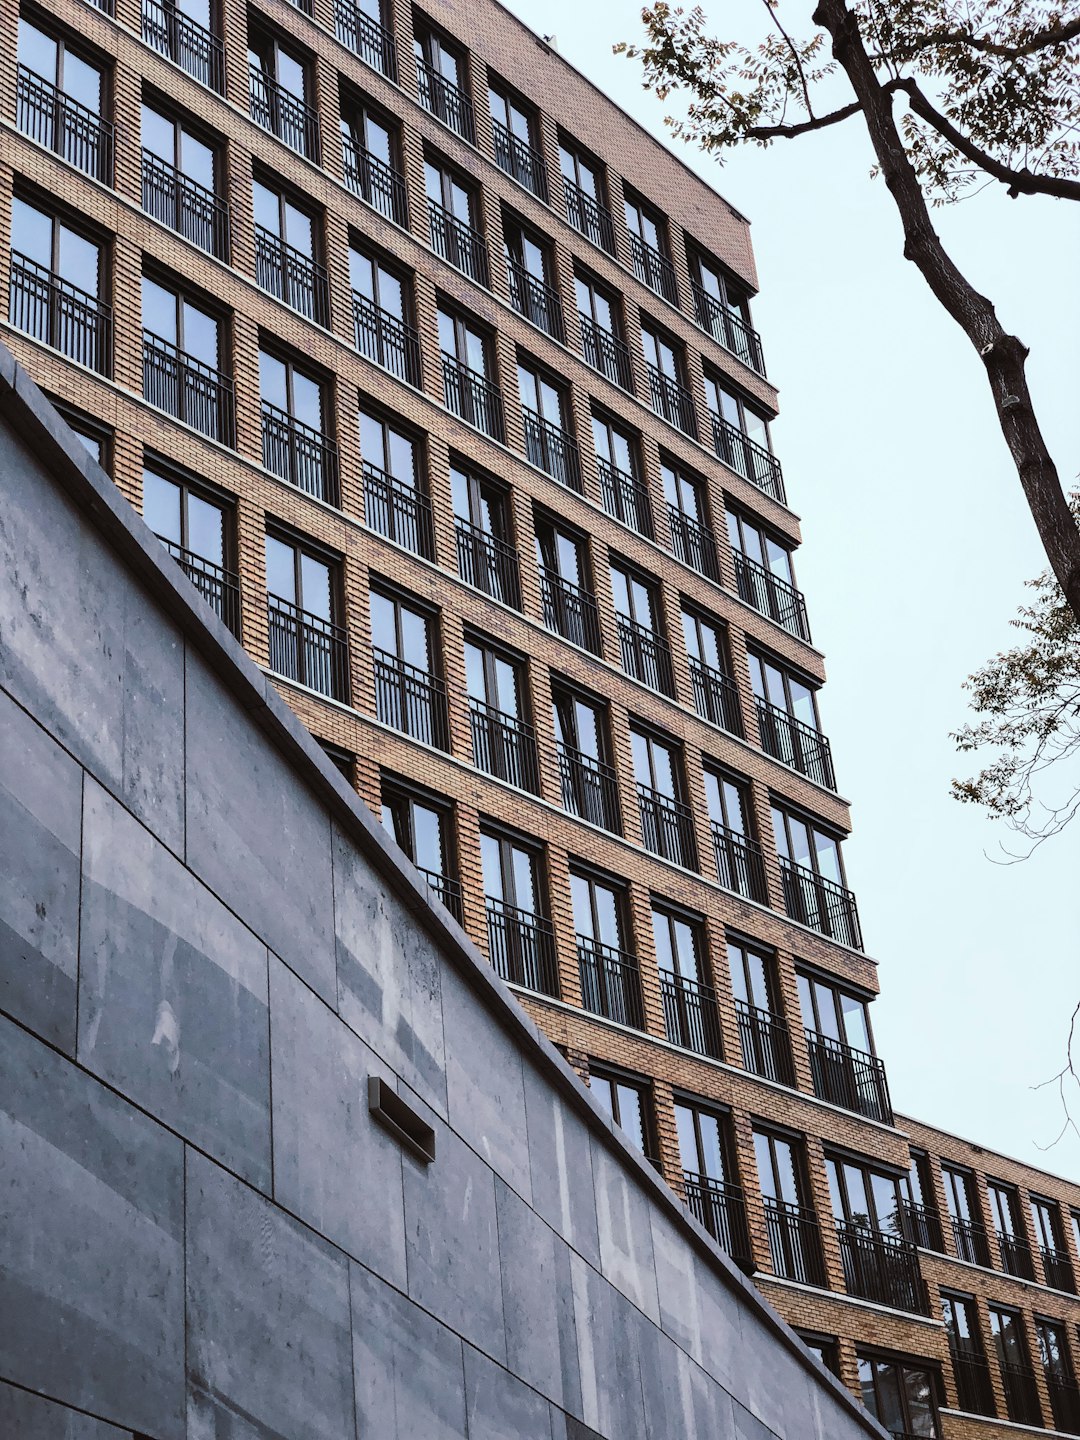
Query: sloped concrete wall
x=207, y=946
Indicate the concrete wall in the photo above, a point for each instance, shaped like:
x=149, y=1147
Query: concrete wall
x=207, y=946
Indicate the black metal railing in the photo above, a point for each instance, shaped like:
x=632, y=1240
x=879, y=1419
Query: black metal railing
x=589, y=217
x=848, y=1077
x=534, y=298
x=691, y=1017
x=794, y=1242
x=729, y=329
x=197, y=50
x=610, y=982
x=769, y=595
x=503, y=745
x=795, y=743
x=459, y=244
x=366, y=37
x=570, y=611
x=821, y=904
x=671, y=400
x=606, y=352
x=446, y=888
x=187, y=389
x=1064, y=1402
x=720, y=1208
x=386, y=339
x=765, y=1043
x=974, y=1388
x=882, y=1268
x=747, y=458
x=220, y=588
x=646, y=656
x=73, y=131
x=522, y=947
x=288, y=116
x=399, y=511
x=1021, y=1393
x=290, y=275
x=299, y=454
x=1057, y=1267
x=625, y=497
x=308, y=649
x=654, y=269
x=921, y=1225
x=519, y=159
x=590, y=789
x=740, y=864
x=693, y=543
x=194, y=212
x=72, y=321
x=667, y=827
x=446, y=101
x=971, y=1241
x=716, y=696
x=375, y=182
x=410, y=699
x=488, y=563
x=551, y=449
x=472, y=397
x=1016, y=1256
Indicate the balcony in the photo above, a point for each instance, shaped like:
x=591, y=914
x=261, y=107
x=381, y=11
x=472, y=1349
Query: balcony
x=728, y=328
x=606, y=353
x=386, y=340
x=445, y=100
x=186, y=207
x=1016, y=1257
x=187, y=390
x=693, y=544
x=1064, y=1402
x=367, y=38
x=299, y=454
x=794, y=1242
x=589, y=788
x=771, y=596
x=654, y=269
x=410, y=700
x=47, y=308
x=472, y=397
x=881, y=1268
x=821, y=904
x=534, y=298
x=290, y=275
x=1021, y=1394
x=376, y=183
x=740, y=865
x=646, y=656
x=719, y=1208
x=671, y=401
x=570, y=611
x=398, y=511
x=610, y=982
x=519, y=160
x=308, y=649
x=522, y=947
x=921, y=1225
x=447, y=890
x=795, y=743
x=716, y=697
x=625, y=497
x=765, y=1044
x=1058, y=1270
x=460, y=245
x=290, y=118
x=970, y=1240
x=220, y=588
x=551, y=449
x=589, y=217
x=75, y=133
x=503, y=746
x=691, y=1019
x=667, y=827
x=488, y=563
x=185, y=42
x=974, y=1388
x=848, y=1077
x=748, y=459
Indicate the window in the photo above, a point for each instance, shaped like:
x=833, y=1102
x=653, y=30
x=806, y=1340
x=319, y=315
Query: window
x=960, y=1199
x=545, y=410
x=712, y=1191
x=587, y=777
x=843, y=1065
x=382, y=315
x=1017, y=1376
x=197, y=530
x=1006, y=1222
x=716, y=696
x=513, y=133
x=370, y=157
x=794, y=1238
x=182, y=360
x=343, y=761
x=1057, y=1370
x=307, y=644
x=692, y=541
x=879, y=1265
x=788, y=720
x=454, y=222
x=667, y=827
x=287, y=252
x=467, y=373
x=900, y=1394
x=96, y=437
x=421, y=825
x=763, y=574
x=282, y=94
x=722, y=307
x=409, y=695
x=61, y=99
x=670, y=398
x=644, y=649
x=521, y=941
x=57, y=279
x=503, y=740
x=973, y=1387
x=824, y=1347
x=394, y=503
x=296, y=426
x=1050, y=1238
x=741, y=438
x=565, y=583
x=649, y=248
x=763, y=1036
x=918, y=1210
x=486, y=558
x=530, y=271
x=626, y=1100
x=618, y=460
x=739, y=864
x=610, y=980
x=440, y=75
x=690, y=1015
x=602, y=341
x=813, y=876
x=185, y=32
x=583, y=190
x=181, y=180
x=362, y=26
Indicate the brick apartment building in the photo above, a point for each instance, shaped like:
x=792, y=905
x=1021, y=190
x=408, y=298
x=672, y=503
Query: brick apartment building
x=437, y=376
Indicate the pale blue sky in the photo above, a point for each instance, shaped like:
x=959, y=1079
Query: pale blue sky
x=916, y=545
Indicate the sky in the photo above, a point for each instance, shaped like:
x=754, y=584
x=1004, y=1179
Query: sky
x=917, y=543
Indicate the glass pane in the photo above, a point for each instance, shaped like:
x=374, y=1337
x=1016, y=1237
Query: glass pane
x=665, y=954
x=712, y=1152
x=205, y=527
x=688, y=1149
x=299, y=230
x=161, y=506
x=757, y=975
x=197, y=160
x=491, y=864
x=290, y=74
x=280, y=569
x=890, y=1409
x=362, y=273
x=414, y=638
x=272, y=380
x=79, y=260
x=315, y=586
x=200, y=335
x=506, y=686
x=402, y=456
x=787, y=1173
x=631, y=1114
x=686, y=951
x=82, y=82
x=31, y=233
x=37, y=51
x=158, y=135
x=582, y=902
x=307, y=400
x=371, y=440
x=475, y=677
x=524, y=880
x=608, y=927
x=856, y=1027
x=885, y=1198
x=159, y=310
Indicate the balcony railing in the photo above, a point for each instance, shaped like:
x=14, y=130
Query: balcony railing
x=589, y=217
x=185, y=42
x=459, y=244
x=1057, y=1267
x=398, y=511
x=671, y=401
x=308, y=649
x=740, y=864
x=366, y=37
x=821, y=904
x=719, y=1207
x=881, y=1268
x=795, y=743
x=386, y=340
x=765, y=1043
x=299, y=454
x=291, y=119
x=729, y=329
x=488, y=563
x=74, y=132
x=691, y=1018
x=970, y=1240
x=375, y=182
x=194, y=212
x=72, y=321
x=716, y=696
x=519, y=159
x=654, y=269
x=693, y=544
x=667, y=827
x=522, y=947
x=1021, y=1394
x=534, y=298
x=220, y=588
x=625, y=497
x=974, y=1388
x=503, y=745
x=921, y=1225
x=290, y=275
x=848, y=1077
x=610, y=982
x=589, y=788
x=411, y=700
x=472, y=397
x=551, y=449
x=570, y=611
x=448, y=890
x=188, y=390
x=446, y=101
x=769, y=595
x=606, y=352
x=1016, y=1256
x=646, y=656
x=1064, y=1402
x=747, y=458
x=794, y=1242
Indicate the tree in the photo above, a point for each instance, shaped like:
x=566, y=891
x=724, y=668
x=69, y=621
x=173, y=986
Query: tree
x=1004, y=106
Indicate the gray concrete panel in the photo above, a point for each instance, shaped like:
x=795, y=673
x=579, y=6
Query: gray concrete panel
x=677, y=1286
x=499, y=1406
x=561, y=1167
x=24, y=1416
x=622, y=1214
